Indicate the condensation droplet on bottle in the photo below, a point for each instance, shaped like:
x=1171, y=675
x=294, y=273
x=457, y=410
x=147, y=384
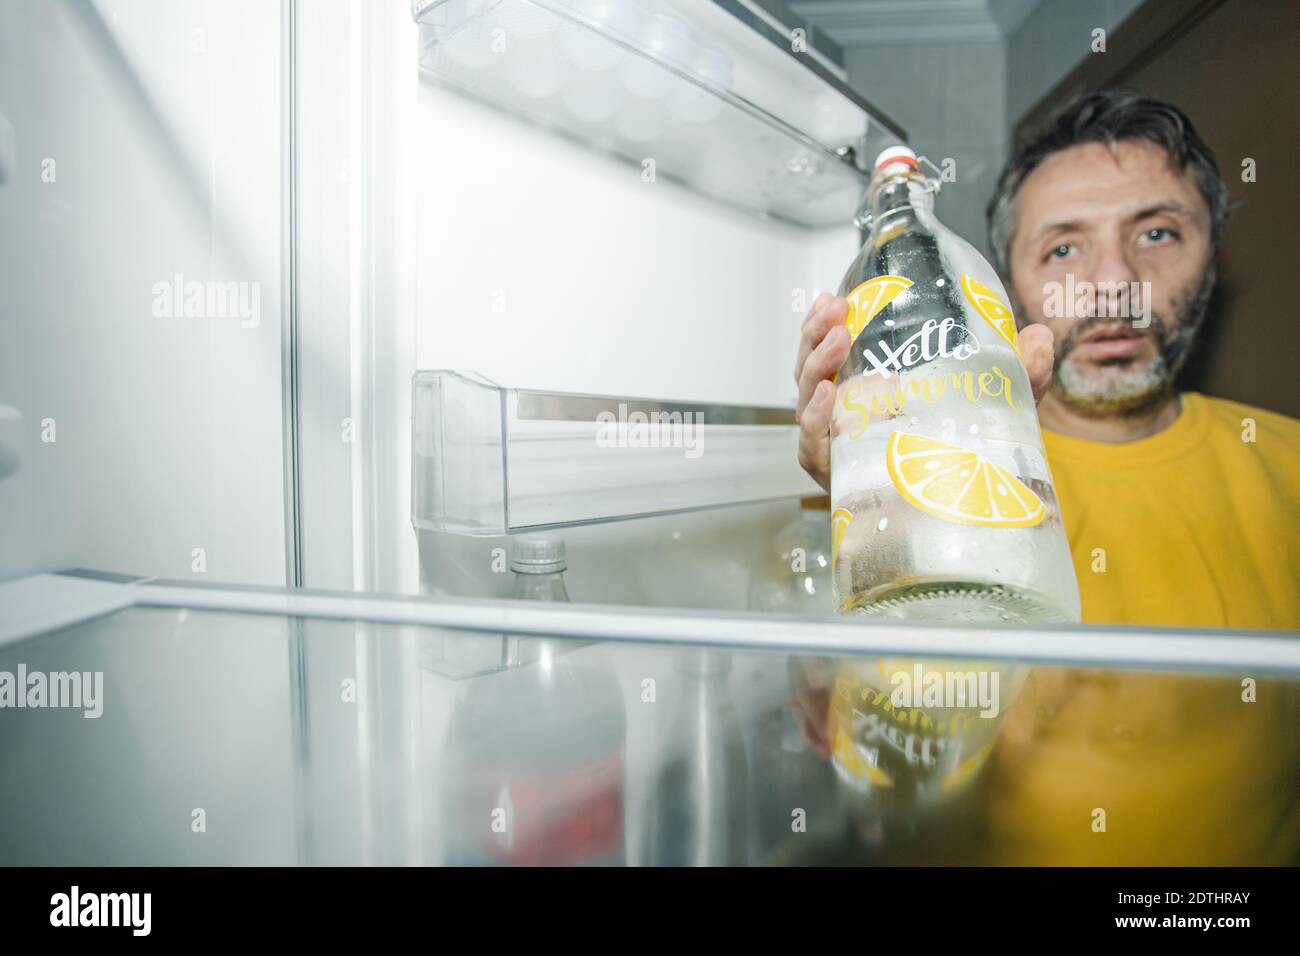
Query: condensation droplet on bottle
x=889, y=323
x=882, y=524
x=939, y=283
x=974, y=429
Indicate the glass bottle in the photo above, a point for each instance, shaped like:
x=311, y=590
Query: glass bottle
x=943, y=503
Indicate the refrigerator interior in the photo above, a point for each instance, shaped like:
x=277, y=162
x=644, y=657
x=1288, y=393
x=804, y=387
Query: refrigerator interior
x=234, y=234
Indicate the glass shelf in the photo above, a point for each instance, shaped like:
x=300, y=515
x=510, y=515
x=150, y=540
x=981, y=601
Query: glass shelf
x=488, y=460
x=630, y=78
x=387, y=735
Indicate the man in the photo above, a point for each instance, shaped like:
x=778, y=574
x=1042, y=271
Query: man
x=1181, y=510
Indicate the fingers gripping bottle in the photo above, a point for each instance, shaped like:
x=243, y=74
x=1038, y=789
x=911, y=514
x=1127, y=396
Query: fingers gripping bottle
x=942, y=502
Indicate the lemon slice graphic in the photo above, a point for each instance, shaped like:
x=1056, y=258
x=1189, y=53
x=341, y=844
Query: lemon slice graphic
x=866, y=301
x=840, y=519
x=958, y=485
x=990, y=305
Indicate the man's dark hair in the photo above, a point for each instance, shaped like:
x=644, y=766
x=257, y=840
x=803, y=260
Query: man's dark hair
x=1107, y=116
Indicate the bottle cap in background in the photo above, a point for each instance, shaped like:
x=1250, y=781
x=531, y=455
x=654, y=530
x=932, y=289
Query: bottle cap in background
x=900, y=156
x=538, y=554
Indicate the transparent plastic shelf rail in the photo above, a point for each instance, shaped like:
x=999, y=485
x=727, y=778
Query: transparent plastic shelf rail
x=488, y=460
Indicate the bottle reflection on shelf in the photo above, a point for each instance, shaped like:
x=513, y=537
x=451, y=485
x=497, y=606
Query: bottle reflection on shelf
x=910, y=769
x=699, y=812
x=534, y=764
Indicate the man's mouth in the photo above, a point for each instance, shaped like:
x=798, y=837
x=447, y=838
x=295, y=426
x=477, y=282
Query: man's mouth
x=1112, y=341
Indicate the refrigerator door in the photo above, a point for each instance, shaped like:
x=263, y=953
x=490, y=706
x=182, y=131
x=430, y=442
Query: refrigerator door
x=152, y=723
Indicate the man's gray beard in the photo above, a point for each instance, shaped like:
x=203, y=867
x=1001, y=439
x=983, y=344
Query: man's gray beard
x=1119, y=390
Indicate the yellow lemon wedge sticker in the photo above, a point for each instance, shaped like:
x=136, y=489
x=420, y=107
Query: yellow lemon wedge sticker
x=958, y=485
x=839, y=524
x=990, y=305
x=866, y=301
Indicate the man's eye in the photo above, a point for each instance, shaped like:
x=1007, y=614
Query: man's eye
x=1060, y=252
x=1158, y=235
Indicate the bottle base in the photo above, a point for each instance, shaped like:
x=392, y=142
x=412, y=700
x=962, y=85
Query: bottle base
x=954, y=602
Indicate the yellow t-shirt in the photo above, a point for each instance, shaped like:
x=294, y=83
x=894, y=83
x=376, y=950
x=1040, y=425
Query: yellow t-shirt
x=1197, y=526
x=1194, y=527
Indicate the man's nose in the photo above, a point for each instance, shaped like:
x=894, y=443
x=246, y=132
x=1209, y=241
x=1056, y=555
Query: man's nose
x=1112, y=276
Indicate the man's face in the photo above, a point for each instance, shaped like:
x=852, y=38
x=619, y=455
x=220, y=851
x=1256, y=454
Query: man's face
x=1091, y=221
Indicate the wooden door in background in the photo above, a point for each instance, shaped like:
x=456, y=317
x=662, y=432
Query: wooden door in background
x=1231, y=66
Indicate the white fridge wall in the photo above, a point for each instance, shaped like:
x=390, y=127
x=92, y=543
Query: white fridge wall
x=165, y=161
x=546, y=265
x=543, y=264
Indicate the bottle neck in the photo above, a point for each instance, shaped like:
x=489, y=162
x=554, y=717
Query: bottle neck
x=540, y=587
x=894, y=198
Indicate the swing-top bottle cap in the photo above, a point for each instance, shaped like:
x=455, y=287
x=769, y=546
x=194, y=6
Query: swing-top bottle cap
x=896, y=156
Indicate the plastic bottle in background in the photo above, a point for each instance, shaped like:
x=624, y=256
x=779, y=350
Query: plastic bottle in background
x=944, y=509
x=794, y=575
x=539, y=744
x=538, y=563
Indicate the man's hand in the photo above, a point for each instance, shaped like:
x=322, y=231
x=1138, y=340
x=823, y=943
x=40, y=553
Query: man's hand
x=823, y=347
